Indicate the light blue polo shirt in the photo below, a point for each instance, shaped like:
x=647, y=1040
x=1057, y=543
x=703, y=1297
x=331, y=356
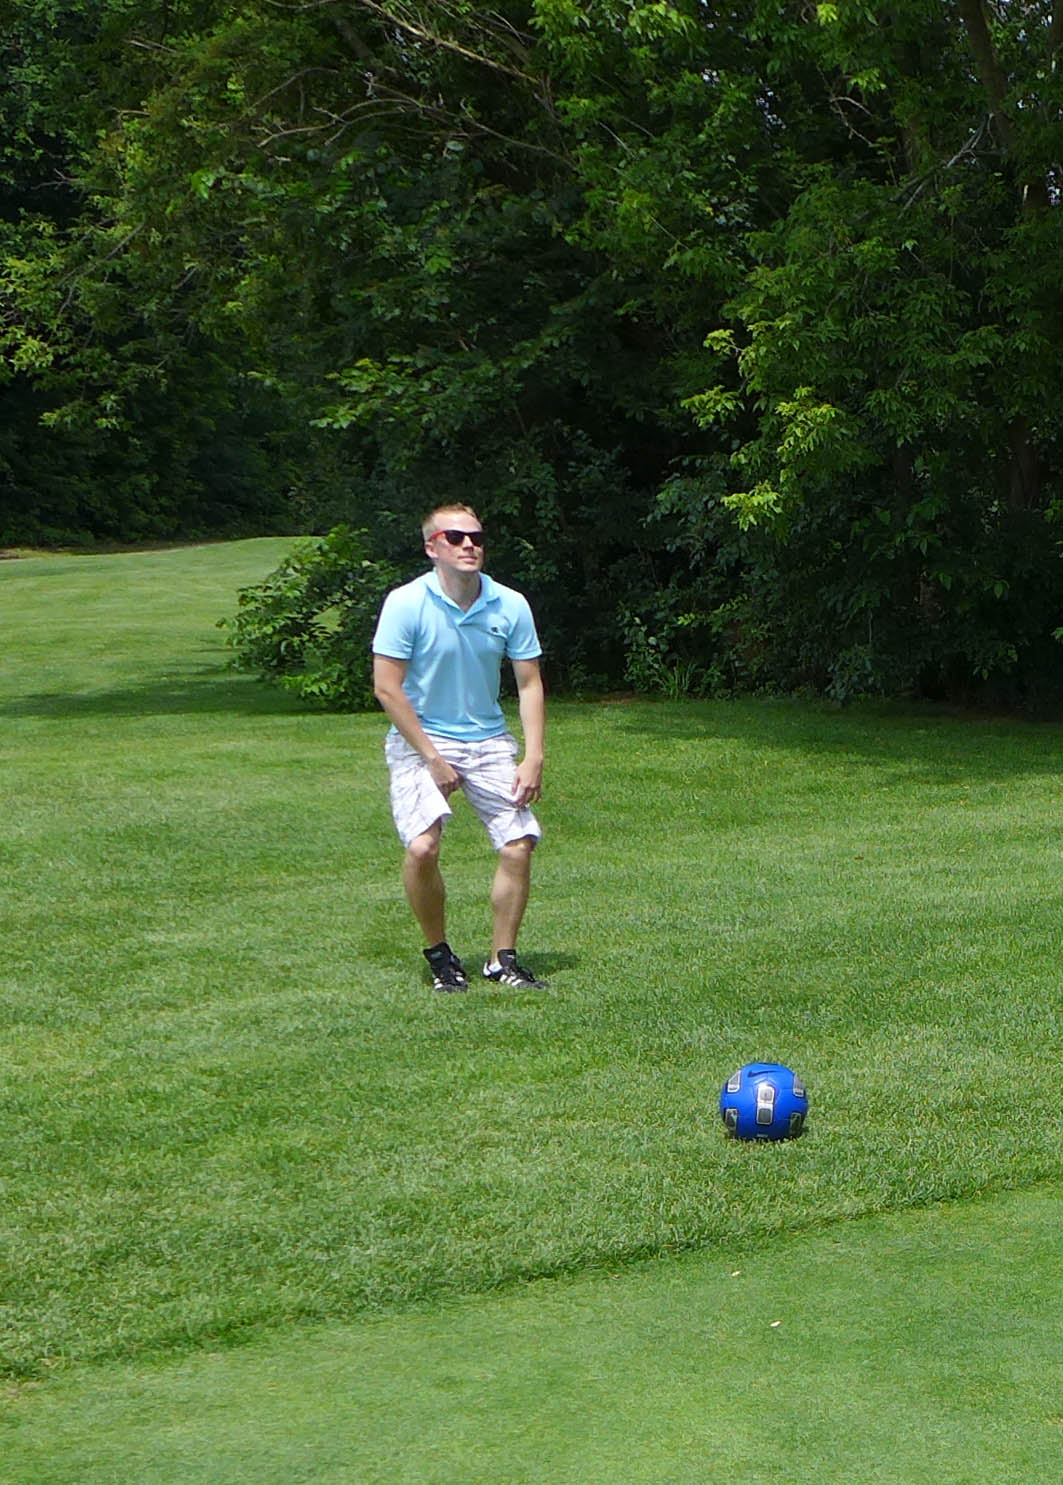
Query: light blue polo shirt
x=454, y=659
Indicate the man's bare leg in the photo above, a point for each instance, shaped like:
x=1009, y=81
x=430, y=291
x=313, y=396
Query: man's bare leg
x=423, y=882
x=509, y=892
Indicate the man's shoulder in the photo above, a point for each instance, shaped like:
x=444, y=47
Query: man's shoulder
x=502, y=593
x=399, y=621
x=411, y=593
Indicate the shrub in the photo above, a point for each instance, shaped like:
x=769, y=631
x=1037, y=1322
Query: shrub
x=310, y=623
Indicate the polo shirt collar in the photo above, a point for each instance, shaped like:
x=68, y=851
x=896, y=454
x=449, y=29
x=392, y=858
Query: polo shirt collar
x=487, y=594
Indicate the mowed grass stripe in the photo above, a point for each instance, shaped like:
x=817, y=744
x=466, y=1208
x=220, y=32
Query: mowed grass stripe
x=230, y=1101
x=895, y=1349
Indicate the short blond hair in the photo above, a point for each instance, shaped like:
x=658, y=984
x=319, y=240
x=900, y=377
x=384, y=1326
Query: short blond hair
x=430, y=523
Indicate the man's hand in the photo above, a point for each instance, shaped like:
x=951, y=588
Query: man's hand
x=388, y=676
x=527, y=783
x=444, y=777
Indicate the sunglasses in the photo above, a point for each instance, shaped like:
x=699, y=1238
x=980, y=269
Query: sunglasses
x=459, y=538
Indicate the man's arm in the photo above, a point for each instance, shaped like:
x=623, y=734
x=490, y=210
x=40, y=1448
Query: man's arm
x=528, y=783
x=388, y=676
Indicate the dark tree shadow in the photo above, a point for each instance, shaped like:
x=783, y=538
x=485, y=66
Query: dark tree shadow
x=210, y=691
x=935, y=744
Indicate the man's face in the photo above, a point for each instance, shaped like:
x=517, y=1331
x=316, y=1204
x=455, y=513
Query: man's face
x=465, y=558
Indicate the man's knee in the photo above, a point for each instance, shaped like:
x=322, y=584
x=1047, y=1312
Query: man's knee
x=518, y=850
x=423, y=850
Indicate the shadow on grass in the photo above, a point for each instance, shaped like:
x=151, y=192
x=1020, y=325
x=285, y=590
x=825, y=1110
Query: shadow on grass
x=211, y=691
x=546, y=965
x=931, y=743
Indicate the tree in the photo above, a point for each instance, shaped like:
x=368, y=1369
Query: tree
x=892, y=371
x=739, y=327
x=117, y=420
x=374, y=208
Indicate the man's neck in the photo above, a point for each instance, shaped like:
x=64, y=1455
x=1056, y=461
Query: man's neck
x=463, y=588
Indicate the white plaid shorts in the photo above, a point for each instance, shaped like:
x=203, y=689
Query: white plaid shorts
x=486, y=770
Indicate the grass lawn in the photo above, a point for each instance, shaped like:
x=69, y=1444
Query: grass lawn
x=902, y=1348
x=230, y=1103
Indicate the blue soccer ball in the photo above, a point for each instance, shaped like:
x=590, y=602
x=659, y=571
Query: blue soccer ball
x=764, y=1101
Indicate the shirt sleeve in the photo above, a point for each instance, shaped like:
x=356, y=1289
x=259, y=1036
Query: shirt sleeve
x=523, y=640
x=394, y=630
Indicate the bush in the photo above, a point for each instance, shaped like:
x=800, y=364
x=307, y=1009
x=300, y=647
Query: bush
x=310, y=624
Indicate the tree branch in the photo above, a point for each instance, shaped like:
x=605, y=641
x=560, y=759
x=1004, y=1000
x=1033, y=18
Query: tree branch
x=406, y=23
x=990, y=71
x=1035, y=194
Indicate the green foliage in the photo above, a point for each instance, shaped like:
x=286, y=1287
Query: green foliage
x=885, y=375
x=309, y=624
x=742, y=313
x=670, y=655
x=123, y=417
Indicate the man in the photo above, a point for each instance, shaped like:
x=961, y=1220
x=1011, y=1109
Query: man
x=437, y=657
